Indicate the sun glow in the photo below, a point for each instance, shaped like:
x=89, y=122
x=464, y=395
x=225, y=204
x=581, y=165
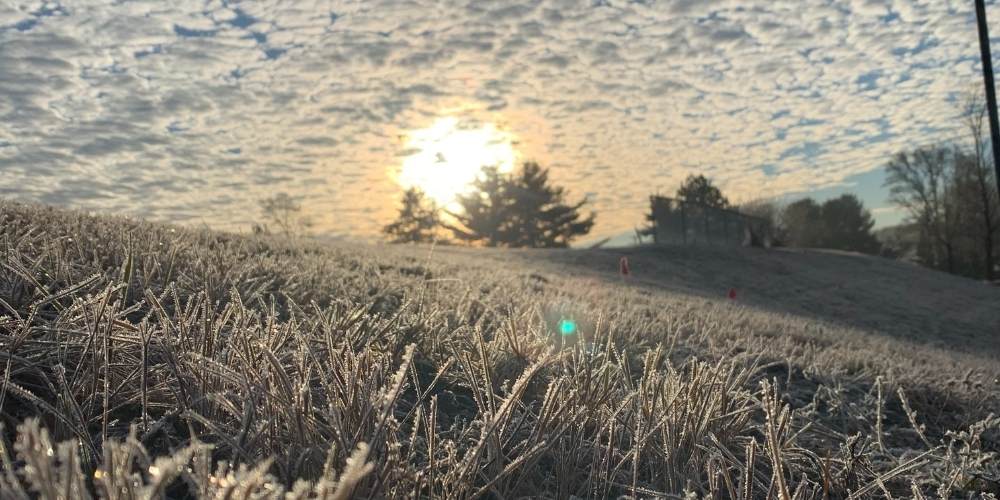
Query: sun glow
x=446, y=157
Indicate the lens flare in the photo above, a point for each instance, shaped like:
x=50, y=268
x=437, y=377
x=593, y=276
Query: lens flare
x=567, y=327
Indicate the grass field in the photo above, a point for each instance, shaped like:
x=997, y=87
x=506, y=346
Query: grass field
x=147, y=361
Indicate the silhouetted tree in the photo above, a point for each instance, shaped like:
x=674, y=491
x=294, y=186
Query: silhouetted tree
x=840, y=223
x=949, y=194
x=847, y=225
x=802, y=223
x=541, y=218
x=899, y=241
x=699, y=189
x=978, y=217
x=695, y=189
x=417, y=221
x=649, y=228
x=285, y=213
x=484, y=215
x=769, y=211
x=919, y=182
x=974, y=180
x=519, y=210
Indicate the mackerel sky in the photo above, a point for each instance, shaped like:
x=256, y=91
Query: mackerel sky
x=191, y=112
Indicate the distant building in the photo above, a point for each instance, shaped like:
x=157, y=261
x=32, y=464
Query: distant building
x=678, y=222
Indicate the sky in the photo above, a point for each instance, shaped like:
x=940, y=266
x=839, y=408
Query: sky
x=194, y=111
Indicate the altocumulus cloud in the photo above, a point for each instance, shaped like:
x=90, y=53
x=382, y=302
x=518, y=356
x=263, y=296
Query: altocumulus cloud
x=193, y=110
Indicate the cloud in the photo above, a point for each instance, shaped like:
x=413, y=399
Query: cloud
x=142, y=107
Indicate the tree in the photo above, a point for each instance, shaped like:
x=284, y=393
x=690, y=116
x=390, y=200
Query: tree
x=485, y=209
x=699, y=189
x=285, y=213
x=899, y=241
x=974, y=178
x=848, y=226
x=695, y=189
x=648, y=229
x=802, y=223
x=950, y=196
x=417, y=221
x=540, y=216
x=769, y=211
x=519, y=210
x=839, y=223
x=919, y=182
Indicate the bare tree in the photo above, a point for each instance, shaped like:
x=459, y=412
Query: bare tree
x=768, y=210
x=919, y=182
x=948, y=192
x=974, y=173
x=285, y=213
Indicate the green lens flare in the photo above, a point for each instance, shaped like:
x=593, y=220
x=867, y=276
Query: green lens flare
x=567, y=327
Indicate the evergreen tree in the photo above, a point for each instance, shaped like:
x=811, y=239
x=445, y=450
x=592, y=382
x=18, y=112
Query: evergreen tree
x=485, y=210
x=699, y=189
x=848, y=226
x=417, y=221
x=802, y=224
x=520, y=210
x=839, y=223
x=649, y=228
x=539, y=216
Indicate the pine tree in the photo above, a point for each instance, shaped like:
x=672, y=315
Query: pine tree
x=699, y=189
x=485, y=210
x=520, y=210
x=848, y=226
x=840, y=223
x=417, y=221
x=539, y=216
x=802, y=222
x=648, y=229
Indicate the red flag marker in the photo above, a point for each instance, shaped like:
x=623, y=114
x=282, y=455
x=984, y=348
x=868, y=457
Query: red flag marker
x=732, y=294
x=623, y=267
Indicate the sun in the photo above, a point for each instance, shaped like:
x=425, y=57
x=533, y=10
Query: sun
x=446, y=157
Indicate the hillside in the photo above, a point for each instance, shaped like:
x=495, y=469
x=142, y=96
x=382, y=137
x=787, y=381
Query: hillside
x=881, y=296
x=249, y=366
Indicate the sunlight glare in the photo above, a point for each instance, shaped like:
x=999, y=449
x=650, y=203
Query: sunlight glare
x=567, y=327
x=448, y=156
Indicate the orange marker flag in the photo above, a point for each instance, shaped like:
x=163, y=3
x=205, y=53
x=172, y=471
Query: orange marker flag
x=623, y=267
x=732, y=294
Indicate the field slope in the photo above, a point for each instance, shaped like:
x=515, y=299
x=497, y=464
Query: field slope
x=885, y=297
x=146, y=360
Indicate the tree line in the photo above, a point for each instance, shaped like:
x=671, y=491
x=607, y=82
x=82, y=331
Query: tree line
x=519, y=209
x=947, y=191
x=841, y=223
x=949, y=195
